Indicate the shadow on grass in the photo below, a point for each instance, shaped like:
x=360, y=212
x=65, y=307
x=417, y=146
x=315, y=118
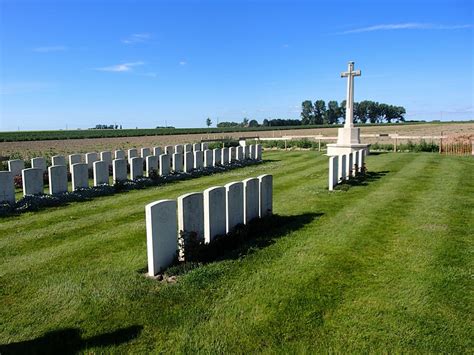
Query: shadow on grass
x=378, y=153
x=244, y=240
x=69, y=340
x=361, y=180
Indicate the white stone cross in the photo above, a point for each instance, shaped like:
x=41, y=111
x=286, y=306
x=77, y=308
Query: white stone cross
x=350, y=74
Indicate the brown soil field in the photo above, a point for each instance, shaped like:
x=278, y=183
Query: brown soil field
x=48, y=148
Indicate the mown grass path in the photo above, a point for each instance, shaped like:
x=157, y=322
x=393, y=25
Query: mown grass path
x=381, y=267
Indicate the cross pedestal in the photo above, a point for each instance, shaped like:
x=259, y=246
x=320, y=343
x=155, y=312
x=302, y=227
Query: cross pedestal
x=348, y=137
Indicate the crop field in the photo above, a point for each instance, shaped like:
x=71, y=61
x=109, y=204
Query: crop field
x=380, y=266
x=48, y=148
x=14, y=136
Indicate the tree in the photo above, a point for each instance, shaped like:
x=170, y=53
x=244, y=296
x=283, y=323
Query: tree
x=373, y=111
x=228, y=124
x=333, y=112
x=319, y=112
x=208, y=122
x=306, y=112
x=342, y=111
x=400, y=113
x=245, y=122
x=266, y=123
x=253, y=123
x=361, y=111
x=390, y=112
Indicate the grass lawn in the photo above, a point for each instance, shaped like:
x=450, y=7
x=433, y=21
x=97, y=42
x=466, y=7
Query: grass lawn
x=385, y=266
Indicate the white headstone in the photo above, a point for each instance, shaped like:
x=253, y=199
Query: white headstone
x=132, y=153
x=251, y=199
x=355, y=162
x=164, y=164
x=136, y=168
x=91, y=158
x=258, y=152
x=179, y=149
x=119, y=170
x=58, y=160
x=196, y=147
x=107, y=157
x=57, y=175
x=204, y=146
x=265, y=195
x=239, y=153
x=169, y=150
x=349, y=165
x=198, y=159
x=362, y=159
x=188, y=162
x=208, y=158
x=152, y=164
x=191, y=214
x=7, y=187
x=341, y=168
x=38, y=163
x=178, y=162
x=333, y=175
x=234, y=207
x=74, y=159
x=32, y=181
x=157, y=151
x=16, y=166
x=247, y=152
x=216, y=156
x=214, y=212
x=188, y=148
x=145, y=152
x=253, y=151
x=79, y=176
x=161, y=235
x=225, y=156
x=101, y=173
x=119, y=154
x=232, y=154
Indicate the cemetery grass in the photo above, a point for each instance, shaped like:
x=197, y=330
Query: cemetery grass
x=382, y=267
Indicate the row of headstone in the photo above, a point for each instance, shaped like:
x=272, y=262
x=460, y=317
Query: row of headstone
x=343, y=167
x=162, y=164
x=216, y=211
x=15, y=166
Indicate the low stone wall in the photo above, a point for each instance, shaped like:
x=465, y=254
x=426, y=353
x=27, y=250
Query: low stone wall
x=345, y=166
x=206, y=215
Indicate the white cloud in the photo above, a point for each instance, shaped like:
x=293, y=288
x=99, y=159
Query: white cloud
x=50, y=49
x=406, y=26
x=124, y=67
x=136, y=38
x=183, y=62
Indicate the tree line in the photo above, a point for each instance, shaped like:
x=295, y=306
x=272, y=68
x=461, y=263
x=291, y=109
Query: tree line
x=318, y=113
x=364, y=112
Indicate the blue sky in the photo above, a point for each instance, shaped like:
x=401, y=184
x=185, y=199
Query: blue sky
x=75, y=64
